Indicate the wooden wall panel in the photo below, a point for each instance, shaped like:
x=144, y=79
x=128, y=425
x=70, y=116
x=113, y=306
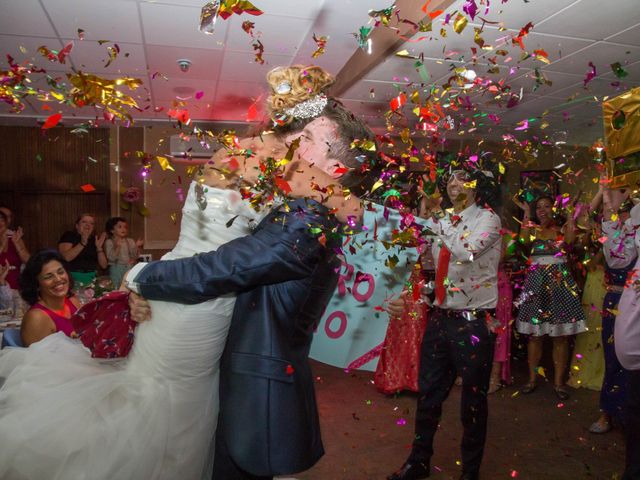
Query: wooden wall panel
x=42, y=173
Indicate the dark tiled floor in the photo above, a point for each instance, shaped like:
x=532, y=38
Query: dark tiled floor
x=368, y=435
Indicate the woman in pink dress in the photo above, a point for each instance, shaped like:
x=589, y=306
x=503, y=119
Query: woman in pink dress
x=46, y=285
x=501, y=370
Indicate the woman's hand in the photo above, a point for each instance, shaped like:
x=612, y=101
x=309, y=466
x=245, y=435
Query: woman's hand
x=395, y=307
x=100, y=240
x=17, y=235
x=524, y=206
x=429, y=204
x=140, y=308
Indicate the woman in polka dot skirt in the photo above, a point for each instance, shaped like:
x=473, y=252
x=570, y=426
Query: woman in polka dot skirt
x=550, y=300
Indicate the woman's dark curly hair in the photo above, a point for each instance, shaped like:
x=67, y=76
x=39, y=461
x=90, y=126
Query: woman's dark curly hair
x=29, y=283
x=111, y=223
x=556, y=216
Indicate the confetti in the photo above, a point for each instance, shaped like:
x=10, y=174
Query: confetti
x=258, y=49
x=590, y=75
x=248, y=27
x=321, y=43
x=459, y=23
x=224, y=9
x=618, y=70
x=52, y=121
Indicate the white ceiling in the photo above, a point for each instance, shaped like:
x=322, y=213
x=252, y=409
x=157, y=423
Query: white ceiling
x=155, y=34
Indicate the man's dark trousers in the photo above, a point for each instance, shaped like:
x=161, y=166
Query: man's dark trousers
x=632, y=427
x=454, y=343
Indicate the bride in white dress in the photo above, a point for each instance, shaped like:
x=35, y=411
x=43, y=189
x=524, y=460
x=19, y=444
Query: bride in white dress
x=67, y=416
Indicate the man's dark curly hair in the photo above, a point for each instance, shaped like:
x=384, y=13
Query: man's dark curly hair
x=487, y=183
x=29, y=284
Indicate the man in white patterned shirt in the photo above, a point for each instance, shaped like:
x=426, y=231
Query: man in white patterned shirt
x=458, y=340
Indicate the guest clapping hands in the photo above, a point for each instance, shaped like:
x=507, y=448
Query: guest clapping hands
x=83, y=250
x=12, y=250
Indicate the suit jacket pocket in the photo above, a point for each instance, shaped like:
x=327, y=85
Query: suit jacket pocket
x=262, y=366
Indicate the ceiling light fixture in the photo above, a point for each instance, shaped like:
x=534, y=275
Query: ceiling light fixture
x=184, y=64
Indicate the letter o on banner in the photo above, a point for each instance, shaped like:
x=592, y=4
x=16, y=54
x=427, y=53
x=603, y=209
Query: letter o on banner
x=334, y=334
x=367, y=277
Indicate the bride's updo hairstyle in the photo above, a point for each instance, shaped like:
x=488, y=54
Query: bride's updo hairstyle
x=292, y=86
x=299, y=96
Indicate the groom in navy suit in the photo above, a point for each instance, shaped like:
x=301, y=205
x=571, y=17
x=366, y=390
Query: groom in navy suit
x=284, y=274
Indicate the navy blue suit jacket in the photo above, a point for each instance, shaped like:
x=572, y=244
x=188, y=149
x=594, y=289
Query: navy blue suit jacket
x=284, y=278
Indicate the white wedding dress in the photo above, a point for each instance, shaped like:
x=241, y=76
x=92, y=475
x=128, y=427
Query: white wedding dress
x=67, y=416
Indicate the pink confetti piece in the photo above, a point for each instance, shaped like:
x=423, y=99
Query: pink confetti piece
x=590, y=75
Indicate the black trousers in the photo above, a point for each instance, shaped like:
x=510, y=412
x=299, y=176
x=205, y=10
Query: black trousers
x=224, y=468
x=632, y=431
x=454, y=343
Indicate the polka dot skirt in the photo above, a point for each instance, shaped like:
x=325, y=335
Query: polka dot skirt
x=550, y=302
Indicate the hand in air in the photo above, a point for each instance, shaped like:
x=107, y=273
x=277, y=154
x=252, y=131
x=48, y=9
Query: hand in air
x=429, y=204
x=100, y=240
x=17, y=235
x=522, y=205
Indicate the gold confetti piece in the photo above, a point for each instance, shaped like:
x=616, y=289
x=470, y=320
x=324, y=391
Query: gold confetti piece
x=93, y=90
x=377, y=185
x=459, y=23
x=164, y=163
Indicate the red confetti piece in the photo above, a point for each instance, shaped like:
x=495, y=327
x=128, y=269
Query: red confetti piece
x=524, y=31
x=248, y=26
x=88, y=188
x=252, y=112
x=282, y=184
x=181, y=115
x=199, y=95
x=398, y=102
x=233, y=164
x=52, y=121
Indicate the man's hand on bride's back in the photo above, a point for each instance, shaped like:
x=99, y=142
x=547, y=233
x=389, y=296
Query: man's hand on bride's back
x=140, y=308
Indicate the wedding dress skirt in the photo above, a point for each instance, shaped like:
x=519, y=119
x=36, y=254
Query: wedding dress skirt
x=67, y=416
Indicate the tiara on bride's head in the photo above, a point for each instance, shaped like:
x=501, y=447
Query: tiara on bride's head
x=309, y=108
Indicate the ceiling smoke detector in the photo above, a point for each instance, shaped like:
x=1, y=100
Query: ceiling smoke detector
x=184, y=65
